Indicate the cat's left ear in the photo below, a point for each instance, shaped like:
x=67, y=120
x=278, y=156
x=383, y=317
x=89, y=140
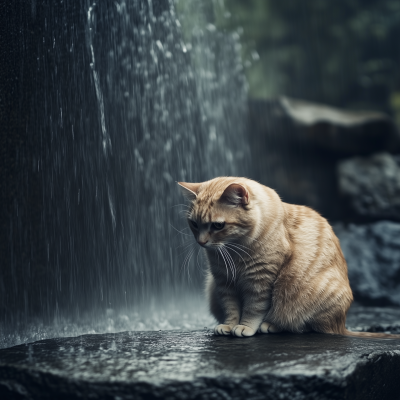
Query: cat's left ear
x=189, y=190
x=236, y=194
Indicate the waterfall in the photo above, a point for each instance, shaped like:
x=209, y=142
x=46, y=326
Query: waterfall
x=122, y=103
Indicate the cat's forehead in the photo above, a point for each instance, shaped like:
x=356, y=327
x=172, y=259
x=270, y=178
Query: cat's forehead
x=209, y=194
x=206, y=207
x=205, y=199
x=207, y=210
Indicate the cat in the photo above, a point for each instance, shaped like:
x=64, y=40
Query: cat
x=272, y=266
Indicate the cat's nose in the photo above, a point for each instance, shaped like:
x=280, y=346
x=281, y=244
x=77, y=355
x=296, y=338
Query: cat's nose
x=202, y=243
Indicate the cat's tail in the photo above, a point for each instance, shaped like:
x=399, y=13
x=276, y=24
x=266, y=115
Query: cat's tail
x=371, y=335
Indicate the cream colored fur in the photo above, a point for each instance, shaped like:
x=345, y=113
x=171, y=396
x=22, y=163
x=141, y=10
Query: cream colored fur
x=273, y=266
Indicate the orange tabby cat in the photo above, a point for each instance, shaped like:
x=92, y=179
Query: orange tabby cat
x=272, y=266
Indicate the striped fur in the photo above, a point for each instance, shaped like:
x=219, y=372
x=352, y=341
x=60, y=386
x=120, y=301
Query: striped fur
x=273, y=266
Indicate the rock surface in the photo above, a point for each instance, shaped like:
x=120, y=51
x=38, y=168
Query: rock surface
x=373, y=319
x=343, y=131
x=372, y=252
x=282, y=158
x=199, y=365
x=371, y=186
x=296, y=145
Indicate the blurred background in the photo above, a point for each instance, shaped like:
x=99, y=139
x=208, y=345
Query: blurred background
x=345, y=54
x=104, y=106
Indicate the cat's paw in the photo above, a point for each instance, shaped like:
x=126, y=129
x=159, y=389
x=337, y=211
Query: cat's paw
x=222, y=329
x=266, y=327
x=242, y=331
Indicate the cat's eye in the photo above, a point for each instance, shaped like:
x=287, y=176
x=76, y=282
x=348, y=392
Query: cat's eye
x=194, y=224
x=218, y=225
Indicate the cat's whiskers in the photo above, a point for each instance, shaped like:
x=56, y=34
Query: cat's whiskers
x=231, y=262
x=186, y=240
x=240, y=249
x=187, y=212
x=187, y=261
x=197, y=260
x=200, y=265
x=227, y=246
x=186, y=234
x=226, y=267
x=185, y=246
x=227, y=261
x=184, y=261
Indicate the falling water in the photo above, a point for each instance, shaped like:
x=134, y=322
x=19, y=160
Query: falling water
x=117, y=101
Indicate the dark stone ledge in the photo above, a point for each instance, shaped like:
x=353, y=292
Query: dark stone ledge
x=370, y=187
x=372, y=252
x=198, y=365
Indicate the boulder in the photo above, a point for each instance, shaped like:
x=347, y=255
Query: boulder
x=296, y=145
x=372, y=252
x=370, y=186
x=342, y=131
x=300, y=171
x=199, y=365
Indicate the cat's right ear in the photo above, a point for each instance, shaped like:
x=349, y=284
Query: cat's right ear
x=236, y=194
x=189, y=190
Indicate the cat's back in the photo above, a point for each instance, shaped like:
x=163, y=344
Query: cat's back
x=312, y=238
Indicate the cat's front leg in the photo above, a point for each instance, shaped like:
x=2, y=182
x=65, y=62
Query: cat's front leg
x=230, y=314
x=253, y=313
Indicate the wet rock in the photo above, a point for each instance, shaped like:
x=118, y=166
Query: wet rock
x=342, y=131
x=300, y=171
x=372, y=252
x=370, y=186
x=373, y=319
x=296, y=146
x=198, y=365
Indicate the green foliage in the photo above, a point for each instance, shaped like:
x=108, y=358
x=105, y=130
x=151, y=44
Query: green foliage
x=345, y=53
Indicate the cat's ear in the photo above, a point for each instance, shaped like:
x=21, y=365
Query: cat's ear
x=189, y=190
x=236, y=194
